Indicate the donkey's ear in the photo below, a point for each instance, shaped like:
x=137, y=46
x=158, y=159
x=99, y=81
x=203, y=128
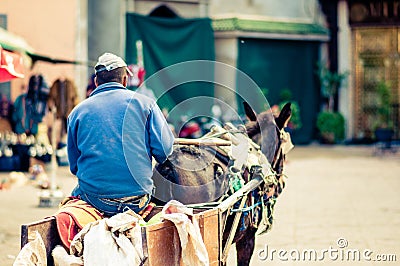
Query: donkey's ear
x=251, y=115
x=284, y=116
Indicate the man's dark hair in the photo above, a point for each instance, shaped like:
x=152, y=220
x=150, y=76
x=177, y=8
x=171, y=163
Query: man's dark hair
x=115, y=75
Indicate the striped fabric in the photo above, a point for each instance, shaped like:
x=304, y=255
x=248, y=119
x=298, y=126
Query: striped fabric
x=72, y=216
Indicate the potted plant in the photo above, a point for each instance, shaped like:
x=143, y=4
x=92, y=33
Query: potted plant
x=383, y=125
x=330, y=124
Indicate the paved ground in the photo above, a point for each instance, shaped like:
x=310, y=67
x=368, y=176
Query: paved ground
x=333, y=192
x=19, y=205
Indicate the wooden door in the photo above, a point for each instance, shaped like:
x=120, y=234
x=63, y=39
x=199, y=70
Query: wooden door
x=376, y=55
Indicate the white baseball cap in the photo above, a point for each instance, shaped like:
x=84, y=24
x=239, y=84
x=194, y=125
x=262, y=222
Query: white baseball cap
x=110, y=62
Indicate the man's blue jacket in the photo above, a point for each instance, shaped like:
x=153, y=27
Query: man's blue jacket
x=112, y=137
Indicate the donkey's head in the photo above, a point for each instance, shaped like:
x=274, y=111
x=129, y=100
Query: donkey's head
x=264, y=128
x=267, y=131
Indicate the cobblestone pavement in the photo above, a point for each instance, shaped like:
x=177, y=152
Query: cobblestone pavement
x=332, y=192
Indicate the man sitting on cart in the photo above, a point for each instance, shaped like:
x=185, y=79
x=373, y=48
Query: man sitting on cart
x=112, y=137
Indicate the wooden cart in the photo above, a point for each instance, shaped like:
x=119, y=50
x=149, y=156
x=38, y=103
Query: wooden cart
x=161, y=245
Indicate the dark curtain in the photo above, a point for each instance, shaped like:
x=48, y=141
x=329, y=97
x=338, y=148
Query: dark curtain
x=276, y=65
x=168, y=41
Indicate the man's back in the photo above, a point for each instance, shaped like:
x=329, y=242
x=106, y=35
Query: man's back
x=111, y=135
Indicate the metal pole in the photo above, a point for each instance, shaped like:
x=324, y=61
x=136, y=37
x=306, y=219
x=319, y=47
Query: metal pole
x=54, y=165
x=52, y=197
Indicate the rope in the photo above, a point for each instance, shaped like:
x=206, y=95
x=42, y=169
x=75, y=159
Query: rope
x=225, y=131
x=247, y=208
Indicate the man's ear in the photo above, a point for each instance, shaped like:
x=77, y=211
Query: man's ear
x=95, y=81
x=125, y=80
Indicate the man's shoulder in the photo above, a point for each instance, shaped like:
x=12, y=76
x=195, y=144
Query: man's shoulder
x=83, y=105
x=142, y=96
x=143, y=99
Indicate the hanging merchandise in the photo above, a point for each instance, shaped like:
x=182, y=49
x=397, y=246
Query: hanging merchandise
x=64, y=97
x=5, y=106
x=38, y=93
x=8, y=162
x=42, y=149
x=63, y=94
x=30, y=107
x=5, y=114
x=16, y=149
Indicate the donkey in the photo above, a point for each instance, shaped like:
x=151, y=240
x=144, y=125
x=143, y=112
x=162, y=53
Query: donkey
x=190, y=166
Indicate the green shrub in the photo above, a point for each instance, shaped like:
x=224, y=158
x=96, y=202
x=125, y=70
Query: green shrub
x=295, y=120
x=331, y=124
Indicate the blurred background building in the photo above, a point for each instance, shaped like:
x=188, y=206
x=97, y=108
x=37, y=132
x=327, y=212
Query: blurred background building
x=282, y=45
